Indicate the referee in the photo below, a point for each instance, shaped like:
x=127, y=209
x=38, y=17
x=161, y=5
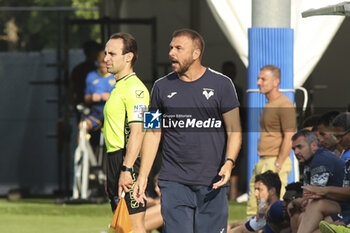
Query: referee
x=123, y=125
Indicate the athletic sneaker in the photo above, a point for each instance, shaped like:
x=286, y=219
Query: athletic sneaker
x=242, y=198
x=326, y=227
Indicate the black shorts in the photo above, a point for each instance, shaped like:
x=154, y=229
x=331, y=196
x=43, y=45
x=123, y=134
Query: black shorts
x=114, y=163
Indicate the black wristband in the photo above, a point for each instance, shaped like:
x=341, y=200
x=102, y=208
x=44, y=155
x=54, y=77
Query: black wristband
x=126, y=169
x=231, y=160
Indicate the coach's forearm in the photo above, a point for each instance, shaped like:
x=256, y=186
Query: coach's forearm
x=234, y=133
x=149, y=151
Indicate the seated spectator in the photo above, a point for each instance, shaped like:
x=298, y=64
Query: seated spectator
x=277, y=215
x=99, y=84
x=331, y=196
x=330, y=203
x=327, y=198
x=310, y=123
x=324, y=129
x=322, y=168
x=267, y=188
x=341, y=133
x=277, y=218
x=293, y=191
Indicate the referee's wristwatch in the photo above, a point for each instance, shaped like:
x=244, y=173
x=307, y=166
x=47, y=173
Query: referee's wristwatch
x=126, y=169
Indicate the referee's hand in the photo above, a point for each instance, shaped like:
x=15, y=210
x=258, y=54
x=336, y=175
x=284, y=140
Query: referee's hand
x=125, y=182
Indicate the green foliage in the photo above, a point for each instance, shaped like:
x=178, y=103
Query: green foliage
x=39, y=30
x=86, y=4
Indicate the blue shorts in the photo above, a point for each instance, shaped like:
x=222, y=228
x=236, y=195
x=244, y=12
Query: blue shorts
x=193, y=208
x=343, y=216
x=345, y=206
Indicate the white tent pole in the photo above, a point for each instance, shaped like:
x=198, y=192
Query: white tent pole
x=271, y=13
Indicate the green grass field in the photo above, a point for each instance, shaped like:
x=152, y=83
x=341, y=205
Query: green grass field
x=44, y=216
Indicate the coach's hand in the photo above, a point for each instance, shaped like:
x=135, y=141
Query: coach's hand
x=139, y=190
x=225, y=173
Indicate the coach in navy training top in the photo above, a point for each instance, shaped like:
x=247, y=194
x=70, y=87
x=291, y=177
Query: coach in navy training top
x=193, y=153
x=201, y=140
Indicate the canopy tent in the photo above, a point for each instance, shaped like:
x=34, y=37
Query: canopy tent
x=311, y=35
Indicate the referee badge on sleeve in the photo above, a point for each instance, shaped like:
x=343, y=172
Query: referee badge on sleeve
x=138, y=111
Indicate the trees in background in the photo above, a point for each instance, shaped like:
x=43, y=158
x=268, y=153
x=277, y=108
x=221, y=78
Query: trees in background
x=34, y=30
